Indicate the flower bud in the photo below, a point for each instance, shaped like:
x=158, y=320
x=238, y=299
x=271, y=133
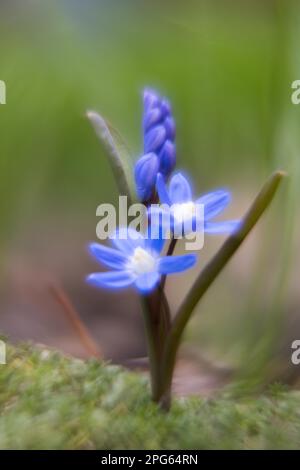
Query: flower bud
x=169, y=125
x=159, y=130
x=165, y=107
x=145, y=172
x=167, y=158
x=154, y=139
x=152, y=118
x=151, y=99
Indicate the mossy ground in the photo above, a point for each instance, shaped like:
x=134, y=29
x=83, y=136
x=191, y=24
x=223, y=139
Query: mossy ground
x=49, y=401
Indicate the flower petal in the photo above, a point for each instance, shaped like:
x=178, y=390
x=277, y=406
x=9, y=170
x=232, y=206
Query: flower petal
x=155, y=239
x=127, y=239
x=147, y=282
x=162, y=190
x=154, y=139
x=161, y=227
x=214, y=202
x=186, y=226
x=176, y=264
x=108, y=256
x=180, y=189
x=111, y=279
x=156, y=244
x=228, y=227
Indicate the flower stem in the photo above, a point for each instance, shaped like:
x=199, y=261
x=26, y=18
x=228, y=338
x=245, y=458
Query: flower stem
x=209, y=274
x=157, y=326
x=152, y=345
x=170, y=251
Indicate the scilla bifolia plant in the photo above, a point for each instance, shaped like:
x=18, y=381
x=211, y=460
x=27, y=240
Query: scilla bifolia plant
x=136, y=260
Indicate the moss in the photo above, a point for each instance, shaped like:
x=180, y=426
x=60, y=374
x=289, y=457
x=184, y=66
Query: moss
x=50, y=401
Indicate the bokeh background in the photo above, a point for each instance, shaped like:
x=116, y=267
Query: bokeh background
x=227, y=68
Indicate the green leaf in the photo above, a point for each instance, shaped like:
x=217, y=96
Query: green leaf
x=211, y=271
x=119, y=155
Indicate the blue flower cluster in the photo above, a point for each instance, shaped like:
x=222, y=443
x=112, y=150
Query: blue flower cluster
x=136, y=259
x=159, y=144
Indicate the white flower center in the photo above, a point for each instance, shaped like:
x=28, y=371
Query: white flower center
x=141, y=262
x=184, y=211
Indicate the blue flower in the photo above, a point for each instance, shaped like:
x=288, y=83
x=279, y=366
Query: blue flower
x=159, y=144
x=135, y=261
x=178, y=201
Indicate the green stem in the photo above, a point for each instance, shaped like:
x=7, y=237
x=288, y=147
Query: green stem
x=163, y=305
x=157, y=326
x=165, y=308
x=170, y=251
x=209, y=274
x=152, y=344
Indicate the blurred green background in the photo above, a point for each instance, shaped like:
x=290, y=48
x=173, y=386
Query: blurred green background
x=227, y=68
